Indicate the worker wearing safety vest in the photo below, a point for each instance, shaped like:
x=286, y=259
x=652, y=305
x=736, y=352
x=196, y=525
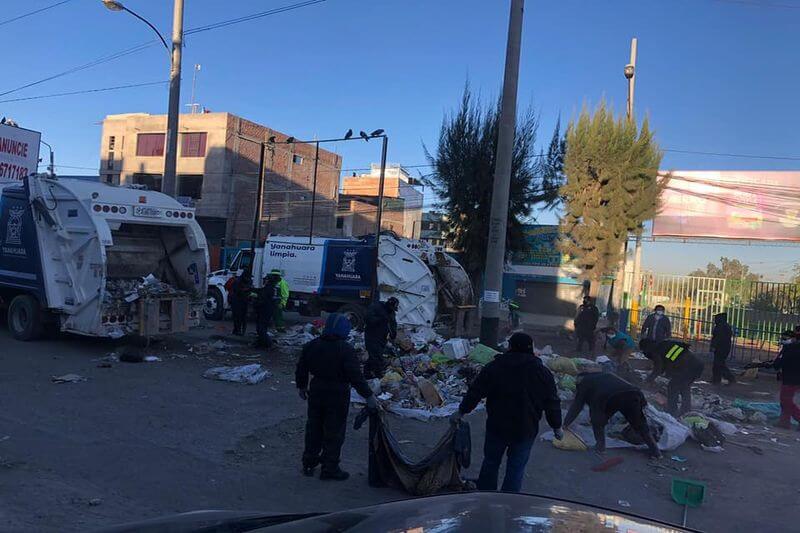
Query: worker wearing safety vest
x=679, y=364
x=283, y=291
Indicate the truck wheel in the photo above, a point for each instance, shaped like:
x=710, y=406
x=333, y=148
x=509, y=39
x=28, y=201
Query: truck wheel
x=214, y=308
x=355, y=313
x=25, y=318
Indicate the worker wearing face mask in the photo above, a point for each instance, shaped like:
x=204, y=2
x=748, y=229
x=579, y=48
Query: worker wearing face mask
x=657, y=326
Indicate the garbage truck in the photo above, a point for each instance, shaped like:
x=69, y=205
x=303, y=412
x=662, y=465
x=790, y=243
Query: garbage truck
x=94, y=259
x=341, y=274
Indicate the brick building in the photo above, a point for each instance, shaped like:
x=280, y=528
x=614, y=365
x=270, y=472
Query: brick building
x=217, y=172
x=358, y=203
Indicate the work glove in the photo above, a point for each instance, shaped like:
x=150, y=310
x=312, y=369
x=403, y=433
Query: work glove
x=372, y=404
x=456, y=417
x=559, y=434
x=303, y=393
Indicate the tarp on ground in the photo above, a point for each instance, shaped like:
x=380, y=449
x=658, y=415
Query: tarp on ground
x=439, y=470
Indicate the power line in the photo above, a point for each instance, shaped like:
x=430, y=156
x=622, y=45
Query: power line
x=139, y=48
x=85, y=91
x=18, y=17
x=254, y=16
x=99, y=61
x=722, y=154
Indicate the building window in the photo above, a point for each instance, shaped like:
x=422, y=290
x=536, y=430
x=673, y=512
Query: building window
x=190, y=186
x=109, y=178
x=111, y=142
x=151, y=181
x=150, y=144
x=297, y=160
x=193, y=145
x=339, y=222
x=110, y=161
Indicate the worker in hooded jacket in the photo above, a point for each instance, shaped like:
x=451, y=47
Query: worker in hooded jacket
x=334, y=367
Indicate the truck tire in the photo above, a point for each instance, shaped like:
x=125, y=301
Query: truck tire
x=355, y=313
x=214, y=309
x=25, y=318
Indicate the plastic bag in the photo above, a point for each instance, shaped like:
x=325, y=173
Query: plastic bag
x=250, y=374
x=482, y=354
x=771, y=409
x=570, y=442
x=564, y=365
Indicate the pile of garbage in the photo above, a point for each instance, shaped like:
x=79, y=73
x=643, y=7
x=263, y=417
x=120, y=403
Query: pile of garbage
x=428, y=376
x=130, y=290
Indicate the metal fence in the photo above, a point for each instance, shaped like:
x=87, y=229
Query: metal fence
x=758, y=311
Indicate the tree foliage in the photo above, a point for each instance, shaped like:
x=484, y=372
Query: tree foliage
x=796, y=274
x=463, y=174
x=727, y=269
x=611, y=189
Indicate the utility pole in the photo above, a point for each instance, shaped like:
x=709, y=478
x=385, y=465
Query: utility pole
x=498, y=220
x=630, y=74
x=259, y=200
x=171, y=156
x=193, y=105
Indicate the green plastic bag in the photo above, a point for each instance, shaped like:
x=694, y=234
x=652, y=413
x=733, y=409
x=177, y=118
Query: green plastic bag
x=440, y=359
x=482, y=354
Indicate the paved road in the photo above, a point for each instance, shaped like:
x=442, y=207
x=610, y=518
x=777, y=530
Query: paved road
x=142, y=440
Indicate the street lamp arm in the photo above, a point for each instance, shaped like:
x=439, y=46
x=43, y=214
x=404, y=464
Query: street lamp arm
x=163, y=41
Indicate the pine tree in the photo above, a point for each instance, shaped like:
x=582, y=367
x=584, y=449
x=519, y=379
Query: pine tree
x=463, y=172
x=612, y=188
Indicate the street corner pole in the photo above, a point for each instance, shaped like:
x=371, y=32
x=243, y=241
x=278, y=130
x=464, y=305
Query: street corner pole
x=384, y=146
x=498, y=220
x=259, y=207
x=170, y=159
x=313, y=193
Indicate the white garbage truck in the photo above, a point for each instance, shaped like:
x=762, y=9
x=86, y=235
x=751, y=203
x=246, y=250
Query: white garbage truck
x=338, y=274
x=93, y=259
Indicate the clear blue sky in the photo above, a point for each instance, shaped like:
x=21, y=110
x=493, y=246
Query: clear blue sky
x=713, y=76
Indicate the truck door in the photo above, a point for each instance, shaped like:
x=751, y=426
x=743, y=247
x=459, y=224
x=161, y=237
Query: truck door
x=20, y=267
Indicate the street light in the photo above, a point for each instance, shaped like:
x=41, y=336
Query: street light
x=170, y=157
x=113, y=5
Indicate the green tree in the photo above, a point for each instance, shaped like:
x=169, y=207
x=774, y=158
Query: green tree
x=463, y=172
x=727, y=269
x=611, y=189
x=796, y=275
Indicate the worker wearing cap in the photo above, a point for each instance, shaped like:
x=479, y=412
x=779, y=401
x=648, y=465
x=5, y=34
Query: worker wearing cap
x=334, y=366
x=607, y=394
x=517, y=387
x=283, y=291
x=380, y=325
x=680, y=365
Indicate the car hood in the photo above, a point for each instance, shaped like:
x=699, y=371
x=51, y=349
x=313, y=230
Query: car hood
x=474, y=511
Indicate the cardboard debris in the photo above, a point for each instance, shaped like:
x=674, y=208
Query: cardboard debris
x=68, y=378
x=429, y=392
x=456, y=348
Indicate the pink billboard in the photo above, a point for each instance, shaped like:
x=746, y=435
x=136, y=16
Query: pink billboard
x=731, y=204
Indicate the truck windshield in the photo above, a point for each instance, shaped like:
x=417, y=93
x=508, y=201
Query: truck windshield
x=242, y=261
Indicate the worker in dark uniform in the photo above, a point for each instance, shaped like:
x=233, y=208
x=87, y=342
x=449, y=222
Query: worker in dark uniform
x=788, y=366
x=267, y=300
x=380, y=324
x=657, y=326
x=606, y=394
x=585, y=324
x=239, y=296
x=721, y=340
x=680, y=365
x=517, y=387
x=334, y=367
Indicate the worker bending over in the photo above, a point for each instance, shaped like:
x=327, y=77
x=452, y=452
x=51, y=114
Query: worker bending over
x=680, y=365
x=607, y=394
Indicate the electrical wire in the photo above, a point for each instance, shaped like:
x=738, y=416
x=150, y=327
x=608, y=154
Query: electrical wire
x=85, y=91
x=720, y=154
x=99, y=61
x=18, y=17
x=143, y=46
x=254, y=16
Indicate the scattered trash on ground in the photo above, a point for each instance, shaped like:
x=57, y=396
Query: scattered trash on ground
x=607, y=464
x=624, y=503
x=68, y=378
x=249, y=374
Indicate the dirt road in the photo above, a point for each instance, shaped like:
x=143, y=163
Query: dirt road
x=136, y=441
